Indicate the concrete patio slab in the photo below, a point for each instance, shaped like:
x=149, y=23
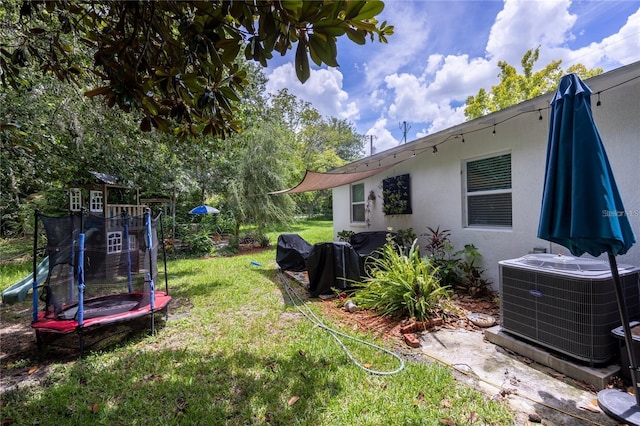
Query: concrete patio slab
x=534, y=391
x=598, y=377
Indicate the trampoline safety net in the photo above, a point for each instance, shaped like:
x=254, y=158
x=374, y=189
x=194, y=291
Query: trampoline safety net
x=117, y=264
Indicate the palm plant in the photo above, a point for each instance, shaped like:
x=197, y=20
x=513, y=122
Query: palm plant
x=400, y=284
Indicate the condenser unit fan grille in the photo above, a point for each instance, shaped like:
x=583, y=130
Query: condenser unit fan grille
x=570, y=315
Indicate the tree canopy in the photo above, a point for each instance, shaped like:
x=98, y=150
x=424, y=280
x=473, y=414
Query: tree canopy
x=515, y=88
x=176, y=61
x=58, y=136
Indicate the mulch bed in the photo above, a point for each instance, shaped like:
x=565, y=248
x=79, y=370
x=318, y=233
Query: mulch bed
x=460, y=306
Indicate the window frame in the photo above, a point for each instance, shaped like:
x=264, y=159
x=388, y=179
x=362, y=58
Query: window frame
x=96, y=201
x=75, y=199
x=488, y=192
x=358, y=203
x=114, y=242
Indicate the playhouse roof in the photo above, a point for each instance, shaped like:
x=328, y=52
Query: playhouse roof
x=102, y=179
x=105, y=178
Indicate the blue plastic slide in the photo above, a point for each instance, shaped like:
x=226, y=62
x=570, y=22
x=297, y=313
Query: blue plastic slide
x=18, y=291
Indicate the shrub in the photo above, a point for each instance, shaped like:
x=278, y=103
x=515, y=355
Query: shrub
x=225, y=224
x=405, y=237
x=439, y=250
x=438, y=243
x=247, y=238
x=263, y=240
x=198, y=244
x=345, y=235
x=255, y=238
x=471, y=279
x=400, y=284
x=456, y=269
x=232, y=247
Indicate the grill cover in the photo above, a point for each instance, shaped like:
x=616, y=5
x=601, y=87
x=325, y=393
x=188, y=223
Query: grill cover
x=332, y=265
x=292, y=252
x=366, y=245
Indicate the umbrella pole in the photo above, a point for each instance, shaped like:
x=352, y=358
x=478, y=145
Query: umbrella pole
x=619, y=404
x=624, y=317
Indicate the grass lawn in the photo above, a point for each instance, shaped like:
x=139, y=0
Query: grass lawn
x=234, y=351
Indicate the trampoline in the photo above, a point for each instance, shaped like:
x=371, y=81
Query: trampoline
x=102, y=271
x=101, y=311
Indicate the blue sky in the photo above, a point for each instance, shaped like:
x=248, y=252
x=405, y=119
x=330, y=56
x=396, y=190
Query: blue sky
x=444, y=51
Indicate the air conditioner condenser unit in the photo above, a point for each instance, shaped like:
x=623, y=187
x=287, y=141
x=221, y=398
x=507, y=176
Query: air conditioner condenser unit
x=566, y=304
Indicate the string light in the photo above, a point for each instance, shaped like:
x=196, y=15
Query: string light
x=461, y=135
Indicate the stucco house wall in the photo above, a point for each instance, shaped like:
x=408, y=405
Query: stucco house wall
x=437, y=196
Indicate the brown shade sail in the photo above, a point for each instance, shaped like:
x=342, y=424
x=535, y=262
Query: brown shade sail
x=315, y=181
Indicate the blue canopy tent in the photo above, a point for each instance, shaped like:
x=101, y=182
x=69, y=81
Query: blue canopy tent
x=582, y=210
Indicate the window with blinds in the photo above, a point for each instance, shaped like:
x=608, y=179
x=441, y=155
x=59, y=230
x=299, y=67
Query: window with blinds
x=357, y=202
x=488, y=191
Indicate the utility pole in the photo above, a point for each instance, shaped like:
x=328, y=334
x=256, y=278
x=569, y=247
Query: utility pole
x=405, y=128
x=371, y=148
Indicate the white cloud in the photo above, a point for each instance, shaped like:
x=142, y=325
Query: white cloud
x=410, y=80
x=459, y=77
x=323, y=90
x=434, y=63
x=524, y=25
x=435, y=97
x=376, y=98
x=429, y=99
x=383, y=139
x=622, y=47
x=410, y=101
x=407, y=42
x=447, y=117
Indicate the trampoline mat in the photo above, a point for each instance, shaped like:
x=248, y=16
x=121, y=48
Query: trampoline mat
x=103, y=306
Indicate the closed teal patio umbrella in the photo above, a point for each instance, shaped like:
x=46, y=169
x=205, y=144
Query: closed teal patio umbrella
x=582, y=209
